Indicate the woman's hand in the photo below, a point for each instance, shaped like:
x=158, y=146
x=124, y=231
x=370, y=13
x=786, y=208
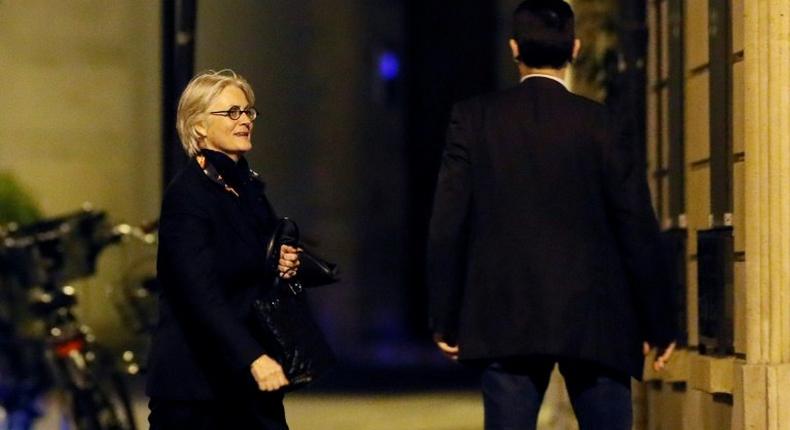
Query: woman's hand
x=268, y=374
x=289, y=261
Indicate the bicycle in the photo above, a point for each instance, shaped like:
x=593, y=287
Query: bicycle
x=42, y=258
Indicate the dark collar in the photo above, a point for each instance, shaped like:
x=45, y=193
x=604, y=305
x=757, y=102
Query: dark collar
x=221, y=169
x=235, y=173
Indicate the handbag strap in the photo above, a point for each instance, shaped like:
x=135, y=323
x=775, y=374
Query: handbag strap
x=273, y=247
x=289, y=226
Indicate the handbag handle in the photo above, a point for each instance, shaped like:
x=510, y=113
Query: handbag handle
x=285, y=227
x=314, y=270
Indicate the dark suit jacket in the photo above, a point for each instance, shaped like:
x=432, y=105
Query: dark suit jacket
x=210, y=268
x=543, y=238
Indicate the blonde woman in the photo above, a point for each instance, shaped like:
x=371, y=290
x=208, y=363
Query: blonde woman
x=207, y=368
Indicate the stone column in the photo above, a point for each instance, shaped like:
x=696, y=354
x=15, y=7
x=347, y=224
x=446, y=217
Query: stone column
x=764, y=402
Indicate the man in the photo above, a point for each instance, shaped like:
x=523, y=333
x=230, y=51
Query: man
x=543, y=246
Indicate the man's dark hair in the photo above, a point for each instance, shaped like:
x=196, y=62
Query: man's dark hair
x=544, y=32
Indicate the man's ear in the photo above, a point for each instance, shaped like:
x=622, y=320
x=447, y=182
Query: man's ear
x=577, y=47
x=514, y=50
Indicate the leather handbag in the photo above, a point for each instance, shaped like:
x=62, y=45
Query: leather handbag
x=290, y=333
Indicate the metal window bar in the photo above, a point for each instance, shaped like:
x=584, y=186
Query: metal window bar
x=721, y=158
x=715, y=246
x=677, y=235
x=677, y=159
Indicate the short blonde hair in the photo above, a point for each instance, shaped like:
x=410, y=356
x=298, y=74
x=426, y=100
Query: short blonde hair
x=197, y=97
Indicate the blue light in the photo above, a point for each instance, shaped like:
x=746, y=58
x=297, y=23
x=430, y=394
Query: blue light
x=389, y=65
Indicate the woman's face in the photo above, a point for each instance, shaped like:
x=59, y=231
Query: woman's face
x=223, y=134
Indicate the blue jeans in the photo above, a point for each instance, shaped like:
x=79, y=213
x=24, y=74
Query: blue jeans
x=513, y=391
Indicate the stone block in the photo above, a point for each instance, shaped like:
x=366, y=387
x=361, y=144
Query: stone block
x=714, y=375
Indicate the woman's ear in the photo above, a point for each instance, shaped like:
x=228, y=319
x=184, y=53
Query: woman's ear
x=200, y=129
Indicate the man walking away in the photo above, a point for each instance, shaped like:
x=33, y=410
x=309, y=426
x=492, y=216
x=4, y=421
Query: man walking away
x=543, y=245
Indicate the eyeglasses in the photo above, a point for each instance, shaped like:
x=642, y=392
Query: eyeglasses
x=235, y=112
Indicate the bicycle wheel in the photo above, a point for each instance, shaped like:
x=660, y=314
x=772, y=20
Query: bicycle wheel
x=98, y=396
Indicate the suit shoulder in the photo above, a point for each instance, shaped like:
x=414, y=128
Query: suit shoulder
x=184, y=193
x=592, y=105
x=468, y=105
x=504, y=100
x=182, y=181
x=474, y=108
x=594, y=114
x=481, y=100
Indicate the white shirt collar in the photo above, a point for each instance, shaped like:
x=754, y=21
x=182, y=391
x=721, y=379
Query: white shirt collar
x=541, y=75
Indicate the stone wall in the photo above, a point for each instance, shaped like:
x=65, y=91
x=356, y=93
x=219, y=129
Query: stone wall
x=81, y=117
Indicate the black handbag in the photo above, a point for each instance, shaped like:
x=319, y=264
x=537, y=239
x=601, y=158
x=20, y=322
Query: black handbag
x=290, y=333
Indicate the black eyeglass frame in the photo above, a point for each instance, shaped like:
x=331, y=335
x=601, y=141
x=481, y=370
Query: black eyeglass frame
x=235, y=112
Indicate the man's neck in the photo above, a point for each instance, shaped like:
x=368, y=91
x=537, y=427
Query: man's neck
x=526, y=70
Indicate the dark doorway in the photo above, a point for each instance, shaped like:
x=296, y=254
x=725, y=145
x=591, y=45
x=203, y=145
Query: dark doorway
x=452, y=55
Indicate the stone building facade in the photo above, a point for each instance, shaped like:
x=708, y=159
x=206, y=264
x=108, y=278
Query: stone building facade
x=719, y=165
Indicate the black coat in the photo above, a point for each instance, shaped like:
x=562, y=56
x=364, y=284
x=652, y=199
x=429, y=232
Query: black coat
x=543, y=238
x=210, y=269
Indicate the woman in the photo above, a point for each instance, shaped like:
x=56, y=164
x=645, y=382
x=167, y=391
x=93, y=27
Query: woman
x=207, y=367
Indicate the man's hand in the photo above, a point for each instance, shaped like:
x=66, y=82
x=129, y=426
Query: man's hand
x=268, y=374
x=289, y=261
x=662, y=357
x=449, y=351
